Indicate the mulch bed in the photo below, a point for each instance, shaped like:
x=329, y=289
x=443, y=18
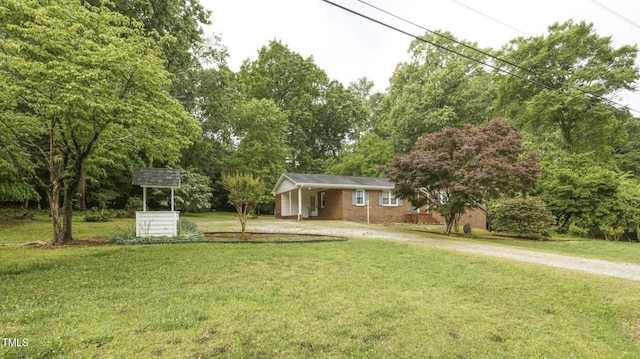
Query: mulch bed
x=209, y=237
x=252, y=237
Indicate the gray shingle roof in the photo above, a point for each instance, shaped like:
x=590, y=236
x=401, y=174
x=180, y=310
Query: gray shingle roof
x=333, y=180
x=156, y=177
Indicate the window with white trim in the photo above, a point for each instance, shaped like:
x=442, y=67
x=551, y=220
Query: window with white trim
x=388, y=198
x=322, y=200
x=360, y=197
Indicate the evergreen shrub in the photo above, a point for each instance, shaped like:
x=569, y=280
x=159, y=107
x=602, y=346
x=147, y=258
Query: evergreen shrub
x=522, y=217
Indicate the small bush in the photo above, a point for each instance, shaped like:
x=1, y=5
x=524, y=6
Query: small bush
x=95, y=215
x=522, y=217
x=123, y=234
x=577, y=231
x=121, y=213
x=186, y=227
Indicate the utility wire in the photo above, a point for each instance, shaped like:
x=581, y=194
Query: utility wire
x=616, y=14
x=491, y=18
x=535, y=82
x=451, y=39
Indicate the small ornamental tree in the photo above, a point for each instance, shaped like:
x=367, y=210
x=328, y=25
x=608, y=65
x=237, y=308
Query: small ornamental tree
x=522, y=217
x=463, y=168
x=245, y=193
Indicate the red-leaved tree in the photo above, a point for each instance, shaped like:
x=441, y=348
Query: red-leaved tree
x=456, y=169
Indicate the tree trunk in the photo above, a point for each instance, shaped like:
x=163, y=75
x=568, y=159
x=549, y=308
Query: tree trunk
x=449, y=220
x=242, y=212
x=67, y=211
x=53, y=195
x=81, y=202
x=71, y=188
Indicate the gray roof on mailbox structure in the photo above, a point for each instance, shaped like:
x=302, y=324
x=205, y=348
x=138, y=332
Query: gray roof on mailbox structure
x=156, y=177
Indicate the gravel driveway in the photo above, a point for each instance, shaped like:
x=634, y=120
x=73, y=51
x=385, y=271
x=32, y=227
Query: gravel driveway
x=349, y=229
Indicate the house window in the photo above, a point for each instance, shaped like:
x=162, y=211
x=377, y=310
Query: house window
x=388, y=198
x=359, y=197
x=321, y=199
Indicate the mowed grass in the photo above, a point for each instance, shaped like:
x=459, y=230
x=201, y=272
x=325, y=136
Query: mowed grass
x=364, y=298
x=628, y=252
x=40, y=228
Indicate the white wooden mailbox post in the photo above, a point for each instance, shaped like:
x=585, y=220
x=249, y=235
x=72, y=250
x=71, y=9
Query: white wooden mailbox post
x=156, y=223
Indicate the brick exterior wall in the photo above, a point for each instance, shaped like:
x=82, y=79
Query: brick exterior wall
x=338, y=206
x=333, y=204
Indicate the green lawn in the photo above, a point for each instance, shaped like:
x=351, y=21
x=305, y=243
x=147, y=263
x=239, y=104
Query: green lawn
x=600, y=249
x=364, y=298
x=41, y=229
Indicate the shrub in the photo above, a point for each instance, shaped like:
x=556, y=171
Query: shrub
x=577, y=231
x=95, y=215
x=133, y=204
x=522, y=217
x=123, y=234
x=186, y=228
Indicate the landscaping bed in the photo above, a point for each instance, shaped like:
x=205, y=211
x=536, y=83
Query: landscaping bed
x=256, y=237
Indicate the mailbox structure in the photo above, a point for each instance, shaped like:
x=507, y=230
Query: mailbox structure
x=156, y=223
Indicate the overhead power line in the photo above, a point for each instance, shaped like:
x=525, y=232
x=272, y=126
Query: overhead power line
x=616, y=14
x=615, y=105
x=491, y=18
x=451, y=39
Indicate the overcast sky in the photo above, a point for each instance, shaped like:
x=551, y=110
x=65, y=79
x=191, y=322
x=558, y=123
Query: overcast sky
x=348, y=47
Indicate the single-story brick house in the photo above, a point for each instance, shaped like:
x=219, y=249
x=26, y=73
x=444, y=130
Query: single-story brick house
x=359, y=199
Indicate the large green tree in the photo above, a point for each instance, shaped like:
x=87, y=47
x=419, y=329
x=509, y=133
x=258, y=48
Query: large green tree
x=260, y=147
x=78, y=83
x=181, y=20
x=364, y=158
x=570, y=71
x=322, y=114
x=434, y=89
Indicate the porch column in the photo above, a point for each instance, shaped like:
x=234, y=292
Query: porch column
x=299, y=203
x=172, y=201
x=144, y=199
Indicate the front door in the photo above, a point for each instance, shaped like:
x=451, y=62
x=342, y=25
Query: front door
x=313, y=208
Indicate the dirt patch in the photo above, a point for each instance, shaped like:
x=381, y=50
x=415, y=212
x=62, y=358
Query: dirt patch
x=82, y=242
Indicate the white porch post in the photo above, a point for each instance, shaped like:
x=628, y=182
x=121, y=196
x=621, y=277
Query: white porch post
x=172, y=203
x=144, y=199
x=299, y=203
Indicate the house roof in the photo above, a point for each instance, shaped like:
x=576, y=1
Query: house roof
x=156, y=177
x=329, y=181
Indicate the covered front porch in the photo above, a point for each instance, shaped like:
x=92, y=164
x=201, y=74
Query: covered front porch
x=300, y=203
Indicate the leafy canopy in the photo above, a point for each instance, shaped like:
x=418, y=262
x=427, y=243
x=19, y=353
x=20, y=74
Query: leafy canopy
x=436, y=88
x=78, y=84
x=576, y=69
x=455, y=169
